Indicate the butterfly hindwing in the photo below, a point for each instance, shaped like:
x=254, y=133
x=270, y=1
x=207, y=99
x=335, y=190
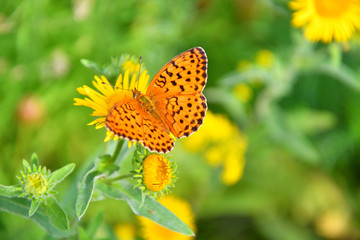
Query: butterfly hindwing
x=184, y=114
x=156, y=138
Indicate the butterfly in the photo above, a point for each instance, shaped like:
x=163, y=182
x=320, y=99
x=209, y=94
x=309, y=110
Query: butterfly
x=173, y=104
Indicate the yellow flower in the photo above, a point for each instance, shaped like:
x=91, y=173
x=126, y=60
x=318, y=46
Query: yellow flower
x=124, y=231
x=243, y=92
x=333, y=224
x=35, y=181
x=181, y=208
x=264, y=58
x=233, y=166
x=224, y=146
x=155, y=174
x=213, y=156
x=327, y=20
x=107, y=96
x=132, y=66
x=36, y=184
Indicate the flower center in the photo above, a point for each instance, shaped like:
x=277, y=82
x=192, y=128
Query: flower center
x=36, y=185
x=157, y=172
x=331, y=8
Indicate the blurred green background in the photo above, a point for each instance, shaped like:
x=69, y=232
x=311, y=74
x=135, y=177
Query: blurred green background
x=301, y=115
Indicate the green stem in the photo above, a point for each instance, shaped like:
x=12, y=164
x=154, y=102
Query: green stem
x=335, y=54
x=117, y=149
x=110, y=180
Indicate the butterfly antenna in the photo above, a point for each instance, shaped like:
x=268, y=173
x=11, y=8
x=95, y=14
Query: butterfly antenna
x=138, y=77
x=115, y=87
x=107, y=84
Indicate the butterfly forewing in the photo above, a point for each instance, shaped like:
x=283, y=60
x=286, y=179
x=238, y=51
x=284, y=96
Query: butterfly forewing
x=129, y=120
x=125, y=120
x=184, y=74
x=177, y=92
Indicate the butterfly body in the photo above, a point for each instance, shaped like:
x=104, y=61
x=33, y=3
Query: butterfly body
x=173, y=103
x=147, y=105
x=145, y=102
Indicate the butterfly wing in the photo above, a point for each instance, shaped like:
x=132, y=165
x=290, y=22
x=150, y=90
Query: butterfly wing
x=128, y=120
x=176, y=91
x=156, y=136
x=184, y=114
x=184, y=74
x=125, y=120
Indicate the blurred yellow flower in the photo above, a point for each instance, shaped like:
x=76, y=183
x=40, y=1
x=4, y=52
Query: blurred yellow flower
x=181, y=208
x=243, y=92
x=264, y=58
x=224, y=146
x=124, y=231
x=155, y=174
x=233, y=166
x=326, y=20
x=213, y=156
x=106, y=97
x=333, y=224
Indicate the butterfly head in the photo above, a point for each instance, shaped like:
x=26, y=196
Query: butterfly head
x=136, y=93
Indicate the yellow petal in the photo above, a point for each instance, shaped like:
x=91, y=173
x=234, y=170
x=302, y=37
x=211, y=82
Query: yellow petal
x=109, y=136
x=97, y=121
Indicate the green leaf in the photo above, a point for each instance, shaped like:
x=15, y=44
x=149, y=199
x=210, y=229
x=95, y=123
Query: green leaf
x=302, y=119
x=124, y=153
x=90, y=64
x=150, y=209
x=56, y=214
x=85, y=192
x=94, y=225
x=35, y=203
x=251, y=75
x=103, y=160
x=291, y=138
x=34, y=160
x=20, y=207
x=82, y=234
x=342, y=74
x=26, y=166
x=120, y=151
x=106, y=164
x=276, y=227
x=227, y=100
x=60, y=174
x=10, y=191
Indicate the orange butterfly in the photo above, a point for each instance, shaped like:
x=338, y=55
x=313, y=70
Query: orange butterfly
x=173, y=103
